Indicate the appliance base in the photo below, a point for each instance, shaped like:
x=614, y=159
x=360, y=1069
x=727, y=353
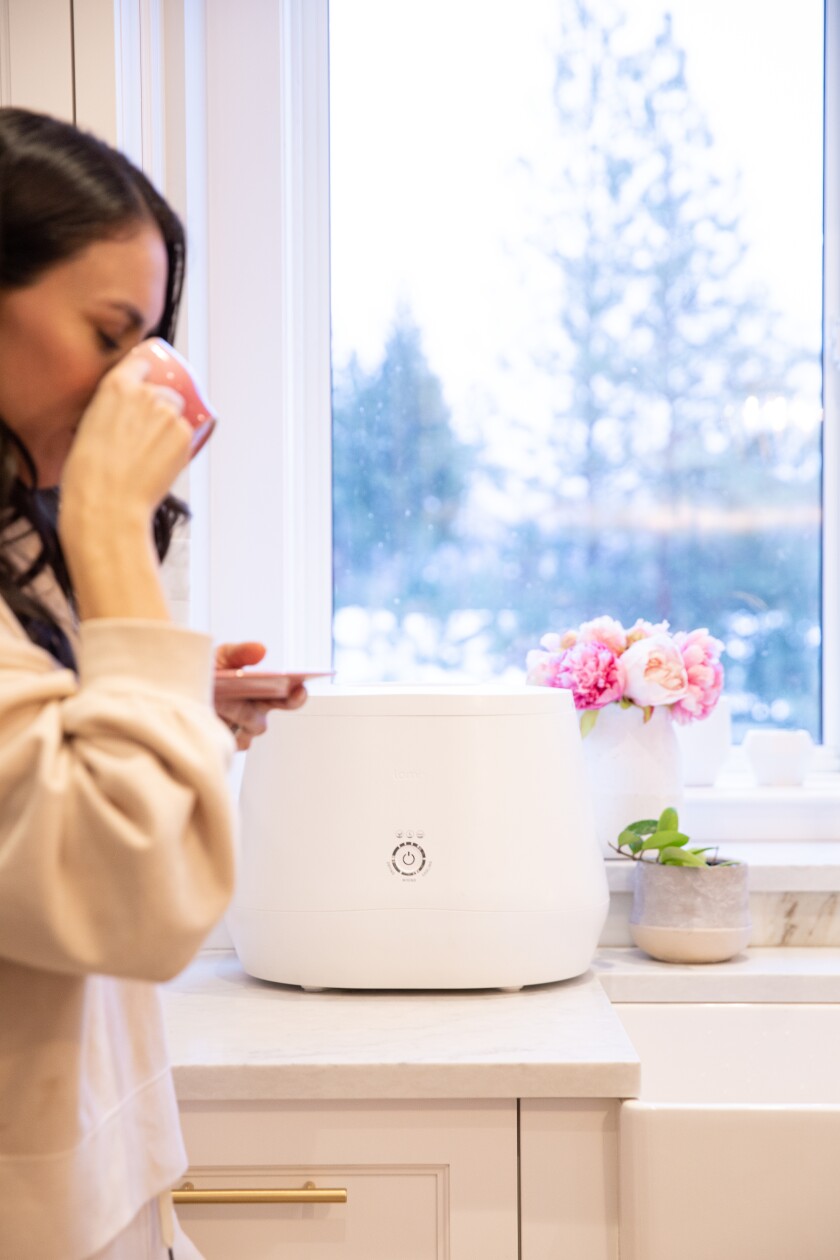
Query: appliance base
x=416, y=949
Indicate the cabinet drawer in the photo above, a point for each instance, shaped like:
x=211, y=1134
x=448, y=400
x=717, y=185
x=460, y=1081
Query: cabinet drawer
x=424, y=1181
x=398, y=1212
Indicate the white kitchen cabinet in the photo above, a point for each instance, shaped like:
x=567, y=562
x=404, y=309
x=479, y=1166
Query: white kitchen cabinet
x=435, y=1099
x=424, y=1180
x=569, y=1178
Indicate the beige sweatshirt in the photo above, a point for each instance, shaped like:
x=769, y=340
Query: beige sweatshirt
x=116, y=857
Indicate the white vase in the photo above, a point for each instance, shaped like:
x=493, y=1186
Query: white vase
x=634, y=767
x=705, y=745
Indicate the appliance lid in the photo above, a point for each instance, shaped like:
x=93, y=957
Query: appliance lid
x=434, y=699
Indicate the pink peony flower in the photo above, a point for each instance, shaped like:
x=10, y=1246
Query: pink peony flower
x=557, y=642
x=590, y=671
x=701, y=655
x=604, y=630
x=654, y=671
x=541, y=667
x=644, y=629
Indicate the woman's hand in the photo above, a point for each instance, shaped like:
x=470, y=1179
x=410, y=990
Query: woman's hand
x=130, y=445
x=248, y=718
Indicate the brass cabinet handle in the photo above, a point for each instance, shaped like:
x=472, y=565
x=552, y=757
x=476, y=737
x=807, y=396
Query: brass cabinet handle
x=309, y=1193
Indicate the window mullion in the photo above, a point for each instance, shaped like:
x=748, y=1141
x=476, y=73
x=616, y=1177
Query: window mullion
x=270, y=557
x=831, y=387
x=307, y=416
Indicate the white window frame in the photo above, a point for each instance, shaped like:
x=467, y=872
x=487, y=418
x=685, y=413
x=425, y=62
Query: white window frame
x=831, y=392
x=268, y=238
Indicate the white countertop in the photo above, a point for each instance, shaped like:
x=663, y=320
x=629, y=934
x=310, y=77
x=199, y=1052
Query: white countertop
x=233, y=1037
x=782, y=974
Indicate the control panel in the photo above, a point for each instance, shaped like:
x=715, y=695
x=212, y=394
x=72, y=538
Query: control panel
x=408, y=857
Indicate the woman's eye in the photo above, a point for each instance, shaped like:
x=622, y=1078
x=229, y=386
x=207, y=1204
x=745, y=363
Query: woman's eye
x=107, y=343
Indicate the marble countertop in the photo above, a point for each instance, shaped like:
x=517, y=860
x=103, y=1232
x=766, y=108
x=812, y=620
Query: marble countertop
x=234, y=1037
x=783, y=974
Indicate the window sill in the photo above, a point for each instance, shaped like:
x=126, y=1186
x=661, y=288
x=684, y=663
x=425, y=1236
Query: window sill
x=735, y=809
x=790, y=836
x=775, y=866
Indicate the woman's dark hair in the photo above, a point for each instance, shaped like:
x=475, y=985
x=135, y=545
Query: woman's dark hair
x=61, y=190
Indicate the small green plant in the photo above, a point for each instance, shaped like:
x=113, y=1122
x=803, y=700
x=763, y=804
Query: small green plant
x=660, y=840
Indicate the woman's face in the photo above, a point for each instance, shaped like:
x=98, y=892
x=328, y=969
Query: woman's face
x=61, y=334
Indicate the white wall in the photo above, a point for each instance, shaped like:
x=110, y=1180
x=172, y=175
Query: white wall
x=36, y=65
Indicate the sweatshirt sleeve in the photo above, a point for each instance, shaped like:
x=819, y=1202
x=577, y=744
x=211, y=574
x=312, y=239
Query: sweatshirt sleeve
x=116, y=823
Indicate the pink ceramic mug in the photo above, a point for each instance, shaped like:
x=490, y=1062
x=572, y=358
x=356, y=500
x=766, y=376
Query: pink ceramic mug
x=167, y=367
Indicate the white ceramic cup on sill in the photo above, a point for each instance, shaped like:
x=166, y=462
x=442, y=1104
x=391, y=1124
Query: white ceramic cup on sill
x=779, y=758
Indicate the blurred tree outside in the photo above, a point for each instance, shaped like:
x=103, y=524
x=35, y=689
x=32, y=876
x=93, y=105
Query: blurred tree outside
x=400, y=476
x=680, y=479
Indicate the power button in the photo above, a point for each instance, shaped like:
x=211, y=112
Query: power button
x=408, y=858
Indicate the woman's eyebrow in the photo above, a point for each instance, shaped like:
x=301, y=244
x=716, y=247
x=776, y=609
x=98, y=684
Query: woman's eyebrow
x=134, y=316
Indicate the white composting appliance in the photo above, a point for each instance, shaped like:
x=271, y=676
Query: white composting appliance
x=438, y=837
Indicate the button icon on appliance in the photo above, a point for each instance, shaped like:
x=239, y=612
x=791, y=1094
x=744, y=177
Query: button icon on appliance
x=408, y=858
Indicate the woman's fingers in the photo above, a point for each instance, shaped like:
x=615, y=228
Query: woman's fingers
x=249, y=718
x=170, y=397
x=239, y=655
x=294, y=699
x=131, y=443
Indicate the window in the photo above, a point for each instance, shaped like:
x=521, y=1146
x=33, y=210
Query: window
x=577, y=294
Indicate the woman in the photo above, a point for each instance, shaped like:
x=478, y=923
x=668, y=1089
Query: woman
x=116, y=833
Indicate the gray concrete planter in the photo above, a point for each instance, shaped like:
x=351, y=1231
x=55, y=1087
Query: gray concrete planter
x=689, y=914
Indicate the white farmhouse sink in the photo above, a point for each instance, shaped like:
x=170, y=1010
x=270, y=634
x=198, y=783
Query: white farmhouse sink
x=733, y=1148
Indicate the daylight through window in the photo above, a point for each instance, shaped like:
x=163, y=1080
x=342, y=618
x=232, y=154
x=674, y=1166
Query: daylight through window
x=576, y=310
